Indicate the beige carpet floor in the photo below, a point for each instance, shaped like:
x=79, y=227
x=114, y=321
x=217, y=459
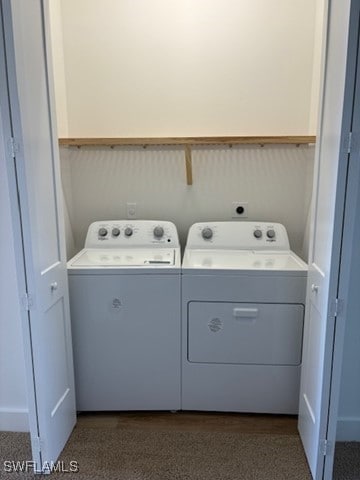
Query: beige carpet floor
x=140, y=454
x=181, y=447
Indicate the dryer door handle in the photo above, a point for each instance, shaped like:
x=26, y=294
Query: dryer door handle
x=240, y=312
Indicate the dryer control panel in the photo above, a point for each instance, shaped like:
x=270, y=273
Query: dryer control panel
x=239, y=236
x=133, y=233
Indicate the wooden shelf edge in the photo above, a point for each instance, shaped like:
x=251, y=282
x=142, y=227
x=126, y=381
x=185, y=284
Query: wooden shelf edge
x=187, y=143
x=231, y=140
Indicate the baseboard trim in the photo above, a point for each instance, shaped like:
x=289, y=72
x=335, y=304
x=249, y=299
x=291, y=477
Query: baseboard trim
x=348, y=429
x=14, y=420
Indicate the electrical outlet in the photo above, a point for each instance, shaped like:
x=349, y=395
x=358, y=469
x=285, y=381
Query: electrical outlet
x=239, y=210
x=131, y=210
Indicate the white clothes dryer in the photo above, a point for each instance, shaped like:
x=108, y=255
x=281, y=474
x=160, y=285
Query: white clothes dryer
x=125, y=313
x=243, y=297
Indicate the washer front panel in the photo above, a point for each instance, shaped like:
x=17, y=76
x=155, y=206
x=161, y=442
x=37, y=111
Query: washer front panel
x=126, y=337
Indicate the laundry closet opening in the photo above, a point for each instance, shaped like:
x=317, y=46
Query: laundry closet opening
x=171, y=70
x=177, y=123
x=183, y=112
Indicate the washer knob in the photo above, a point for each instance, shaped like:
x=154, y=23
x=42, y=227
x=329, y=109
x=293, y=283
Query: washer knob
x=128, y=231
x=102, y=232
x=207, y=233
x=270, y=233
x=115, y=232
x=158, y=231
x=258, y=233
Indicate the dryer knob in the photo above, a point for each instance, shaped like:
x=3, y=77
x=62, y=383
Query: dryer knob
x=270, y=233
x=207, y=233
x=115, y=232
x=257, y=233
x=128, y=231
x=102, y=232
x=158, y=231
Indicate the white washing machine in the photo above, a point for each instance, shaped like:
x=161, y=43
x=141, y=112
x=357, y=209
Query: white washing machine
x=243, y=297
x=125, y=312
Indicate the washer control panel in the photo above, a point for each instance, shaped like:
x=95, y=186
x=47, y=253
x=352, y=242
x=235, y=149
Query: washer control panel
x=239, y=236
x=139, y=233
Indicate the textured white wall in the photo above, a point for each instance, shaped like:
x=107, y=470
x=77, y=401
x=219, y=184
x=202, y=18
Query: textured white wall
x=179, y=67
x=276, y=182
x=13, y=401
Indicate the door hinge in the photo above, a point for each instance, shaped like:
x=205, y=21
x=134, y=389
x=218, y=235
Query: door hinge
x=349, y=142
x=37, y=443
x=337, y=306
x=326, y=447
x=27, y=301
x=13, y=147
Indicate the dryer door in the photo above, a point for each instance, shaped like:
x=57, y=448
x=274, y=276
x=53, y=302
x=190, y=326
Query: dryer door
x=245, y=333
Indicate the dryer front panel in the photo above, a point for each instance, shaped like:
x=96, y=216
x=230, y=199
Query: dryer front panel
x=245, y=333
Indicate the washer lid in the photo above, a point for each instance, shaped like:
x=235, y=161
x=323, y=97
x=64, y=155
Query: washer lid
x=107, y=258
x=249, y=260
